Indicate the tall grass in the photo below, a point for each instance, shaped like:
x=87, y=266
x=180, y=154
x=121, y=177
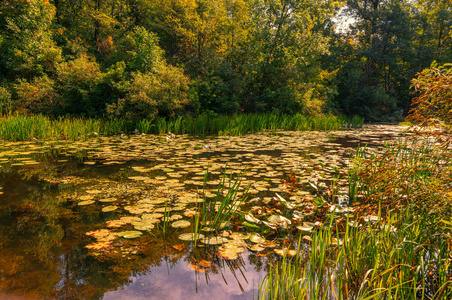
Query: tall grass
x=21, y=127
x=394, y=259
x=405, y=254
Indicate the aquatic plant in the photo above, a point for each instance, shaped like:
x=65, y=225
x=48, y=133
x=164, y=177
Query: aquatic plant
x=22, y=127
x=390, y=258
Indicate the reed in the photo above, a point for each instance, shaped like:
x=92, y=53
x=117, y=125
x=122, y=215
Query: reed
x=403, y=252
x=390, y=259
x=22, y=127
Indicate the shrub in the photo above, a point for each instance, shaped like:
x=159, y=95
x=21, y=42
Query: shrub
x=164, y=93
x=37, y=96
x=76, y=82
x=5, y=100
x=433, y=105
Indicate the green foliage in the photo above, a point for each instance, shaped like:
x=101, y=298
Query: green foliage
x=37, y=96
x=27, y=47
x=164, y=93
x=76, y=82
x=142, y=51
x=5, y=100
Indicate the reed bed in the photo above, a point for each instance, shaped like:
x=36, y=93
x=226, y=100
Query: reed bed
x=398, y=245
x=390, y=259
x=22, y=127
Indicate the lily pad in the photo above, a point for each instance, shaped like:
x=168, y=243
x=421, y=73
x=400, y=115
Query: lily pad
x=215, y=240
x=109, y=208
x=286, y=252
x=107, y=200
x=256, y=238
x=86, y=202
x=131, y=234
x=180, y=224
x=190, y=236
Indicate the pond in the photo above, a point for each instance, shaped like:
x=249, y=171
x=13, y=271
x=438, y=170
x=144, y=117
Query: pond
x=124, y=217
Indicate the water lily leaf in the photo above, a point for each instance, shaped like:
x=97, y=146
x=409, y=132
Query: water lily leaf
x=190, y=236
x=102, y=235
x=130, y=219
x=256, y=248
x=180, y=224
x=138, y=178
x=278, y=219
x=215, y=240
x=175, y=217
x=86, y=202
x=109, y=208
x=107, y=200
x=306, y=227
x=190, y=213
x=131, y=234
x=273, y=226
x=227, y=253
x=86, y=197
x=285, y=252
x=143, y=227
x=256, y=238
x=252, y=219
x=116, y=223
x=94, y=192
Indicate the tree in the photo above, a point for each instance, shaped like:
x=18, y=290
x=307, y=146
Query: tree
x=26, y=42
x=286, y=40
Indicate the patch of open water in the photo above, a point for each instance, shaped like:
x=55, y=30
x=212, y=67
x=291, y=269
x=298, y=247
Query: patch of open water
x=53, y=193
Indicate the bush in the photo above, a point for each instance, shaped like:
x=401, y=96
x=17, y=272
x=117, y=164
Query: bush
x=35, y=97
x=5, y=100
x=164, y=93
x=77, y=82
x=434, y=102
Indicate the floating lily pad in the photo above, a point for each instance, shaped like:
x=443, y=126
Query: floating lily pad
x=109, y=208
x=180, y=224
x=131, y=234
x=86, y=202
x=215, y=240
x=256, y=248
x=286, y=252
x=256, y=238
x=190, y=236
x=107, y=200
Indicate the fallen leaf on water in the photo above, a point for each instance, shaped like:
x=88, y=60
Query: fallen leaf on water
x=179, y=247
x=204, y=263
x=99, y=245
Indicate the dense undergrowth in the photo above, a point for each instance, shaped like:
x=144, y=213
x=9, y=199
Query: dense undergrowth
x=22, y=128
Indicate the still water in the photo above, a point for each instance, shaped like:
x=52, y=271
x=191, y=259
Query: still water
x=103, y=218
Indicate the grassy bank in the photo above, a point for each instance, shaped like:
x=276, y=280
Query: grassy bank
x=22, y=128
x=395, y=245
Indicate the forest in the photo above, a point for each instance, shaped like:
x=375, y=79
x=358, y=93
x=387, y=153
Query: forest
x=143, y=59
